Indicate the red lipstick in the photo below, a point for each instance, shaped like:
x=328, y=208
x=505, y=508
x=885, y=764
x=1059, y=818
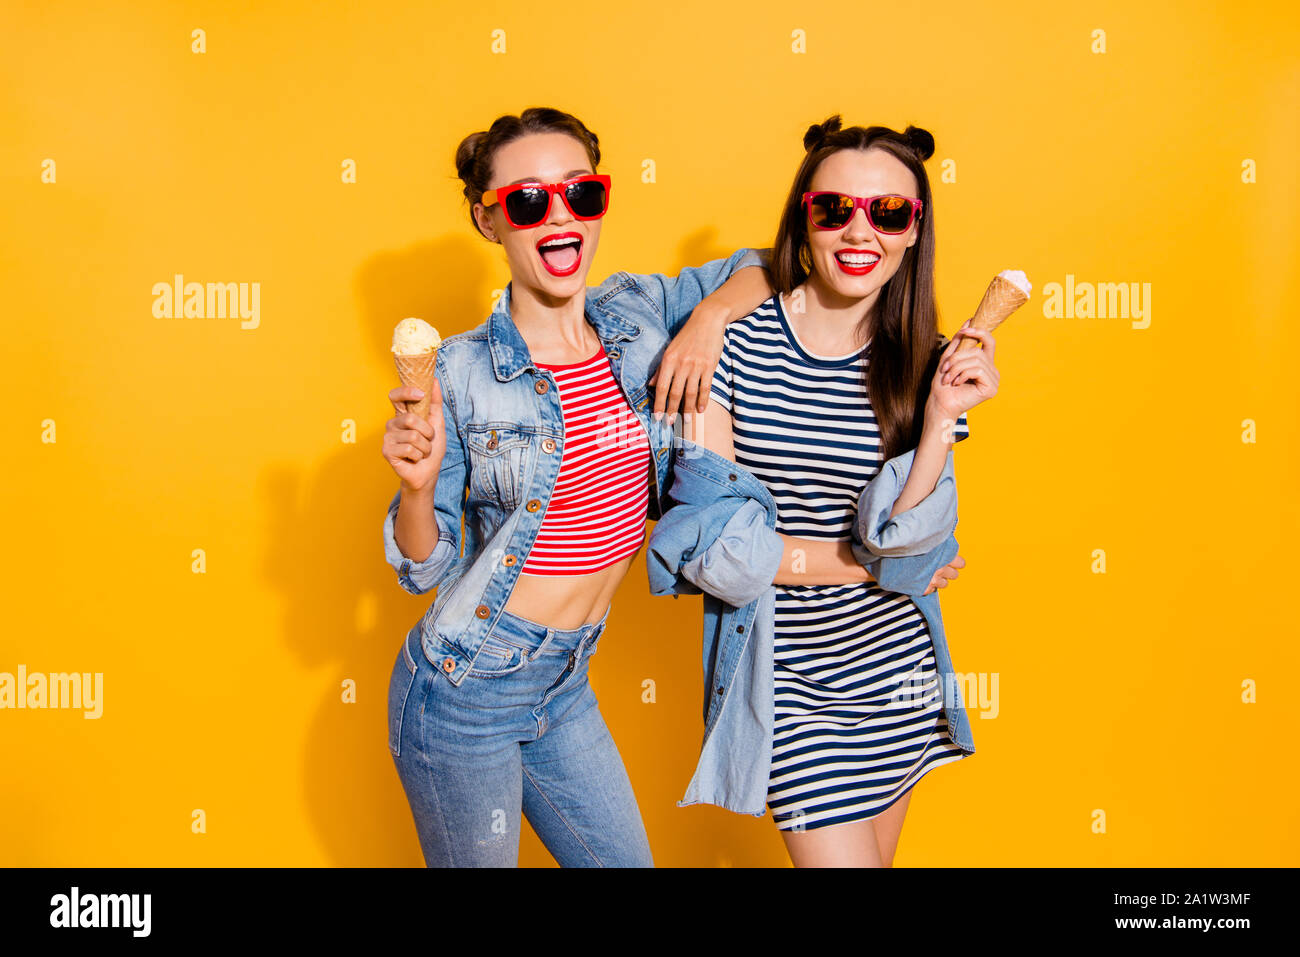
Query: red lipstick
x=855, y=269
x=563, y=253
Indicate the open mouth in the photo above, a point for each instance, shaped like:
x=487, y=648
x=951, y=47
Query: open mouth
x=856, y=263
x=561, y=253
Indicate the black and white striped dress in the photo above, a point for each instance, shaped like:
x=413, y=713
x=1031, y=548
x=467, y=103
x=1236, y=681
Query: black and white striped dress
x=859, y=713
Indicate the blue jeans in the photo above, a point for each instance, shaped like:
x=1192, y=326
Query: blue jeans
x=521, y=733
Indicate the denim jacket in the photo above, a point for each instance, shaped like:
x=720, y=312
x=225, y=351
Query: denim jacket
x=505, y=438
x=718, y=537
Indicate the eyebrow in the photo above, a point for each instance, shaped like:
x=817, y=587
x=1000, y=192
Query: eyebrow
x=537, y=179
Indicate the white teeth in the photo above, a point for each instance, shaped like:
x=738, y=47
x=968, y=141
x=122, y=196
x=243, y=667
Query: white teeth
x=857, y=259
x=558, y=242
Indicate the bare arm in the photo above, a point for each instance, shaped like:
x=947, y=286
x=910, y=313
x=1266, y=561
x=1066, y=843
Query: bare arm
x=422, y=527
x=959, y=384
x=416, y=527
x=927, y=465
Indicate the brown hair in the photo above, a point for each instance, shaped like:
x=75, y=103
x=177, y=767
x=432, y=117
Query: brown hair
x=904, y=323
x=475, y=153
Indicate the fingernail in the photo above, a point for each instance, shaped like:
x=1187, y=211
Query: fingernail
x=658, y=416
x=419, y=394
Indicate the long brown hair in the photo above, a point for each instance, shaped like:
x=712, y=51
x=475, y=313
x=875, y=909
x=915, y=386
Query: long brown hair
x=475, y=153
x=904, y=323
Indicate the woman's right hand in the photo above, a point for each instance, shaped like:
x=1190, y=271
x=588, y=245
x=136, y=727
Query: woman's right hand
x=962, y=380
x=413, y=446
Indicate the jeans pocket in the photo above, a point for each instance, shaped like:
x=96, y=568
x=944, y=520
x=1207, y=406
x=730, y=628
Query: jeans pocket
x=496, y=658
x=399, y=690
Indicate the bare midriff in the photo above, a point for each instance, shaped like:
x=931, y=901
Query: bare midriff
x=568, y=601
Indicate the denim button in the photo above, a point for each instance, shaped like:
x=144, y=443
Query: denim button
x=541, y=386
x=492, y=442
x=732, y=476
x=509, y=560
x=482, y=611
x=533, y=505
x=548, y=446
x=448, y=664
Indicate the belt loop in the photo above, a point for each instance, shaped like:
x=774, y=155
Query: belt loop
x=550, y=633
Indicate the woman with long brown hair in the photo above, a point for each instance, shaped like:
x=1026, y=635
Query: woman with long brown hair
x=841, y=370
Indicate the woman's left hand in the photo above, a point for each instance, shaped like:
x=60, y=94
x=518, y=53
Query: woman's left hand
x=946, y=574
x=964, y=379
x=686, y=369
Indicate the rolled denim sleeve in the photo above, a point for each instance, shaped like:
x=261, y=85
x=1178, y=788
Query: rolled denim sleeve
x=675, y=297
x=742, y=562
x=724, y=548
x=907, y=574
x=904, y=551
x=915, y=531
x=677, y=537
x=418, y=577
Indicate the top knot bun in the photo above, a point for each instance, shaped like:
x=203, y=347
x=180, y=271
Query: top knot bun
x=921, y=141
x=467, y=154
x=476, y=152
x=818, y=132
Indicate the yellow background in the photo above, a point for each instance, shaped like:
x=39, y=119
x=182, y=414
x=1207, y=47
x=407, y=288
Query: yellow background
x=1119, y=692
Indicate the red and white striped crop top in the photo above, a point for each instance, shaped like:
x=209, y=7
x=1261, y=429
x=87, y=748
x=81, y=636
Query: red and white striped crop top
x=597, y=512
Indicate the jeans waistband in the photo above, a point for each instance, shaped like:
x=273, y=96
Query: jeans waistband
x=534, y=635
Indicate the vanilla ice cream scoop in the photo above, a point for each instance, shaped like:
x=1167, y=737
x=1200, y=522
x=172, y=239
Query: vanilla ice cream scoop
x=415, y=337
x=415, y=352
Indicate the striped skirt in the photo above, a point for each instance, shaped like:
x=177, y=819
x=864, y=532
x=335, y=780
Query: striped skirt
x=859, y=711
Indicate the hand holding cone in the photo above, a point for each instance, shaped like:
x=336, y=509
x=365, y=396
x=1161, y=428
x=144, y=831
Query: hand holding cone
x=1008, y=291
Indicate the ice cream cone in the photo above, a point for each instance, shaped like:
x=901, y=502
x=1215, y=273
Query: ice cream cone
x=419, y=372
x=1001, y=299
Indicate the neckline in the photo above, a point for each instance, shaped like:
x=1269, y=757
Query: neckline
x=811, y=357
x=600, y=350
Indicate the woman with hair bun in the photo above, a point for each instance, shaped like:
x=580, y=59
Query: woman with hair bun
x=540, y=438
x=842, y=376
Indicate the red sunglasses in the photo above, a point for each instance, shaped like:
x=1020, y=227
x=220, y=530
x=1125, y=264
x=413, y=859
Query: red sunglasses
x=891, y=214
x=527, y=204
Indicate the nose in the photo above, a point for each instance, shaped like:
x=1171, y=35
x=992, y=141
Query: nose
x=859, y=227
x=559, y=212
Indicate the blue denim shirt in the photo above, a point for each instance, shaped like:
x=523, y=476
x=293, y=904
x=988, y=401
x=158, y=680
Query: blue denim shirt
x=505, y=440
x=718, y=537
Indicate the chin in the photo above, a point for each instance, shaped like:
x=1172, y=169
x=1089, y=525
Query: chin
x=851, y=287
x=562, y=287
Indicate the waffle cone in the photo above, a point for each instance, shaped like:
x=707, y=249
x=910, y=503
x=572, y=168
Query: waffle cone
x=1001, y=299
x=419, y=372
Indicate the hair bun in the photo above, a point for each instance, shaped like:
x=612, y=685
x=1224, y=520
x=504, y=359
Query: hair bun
x=467, y=154
x=818, y=132
x=921, y=142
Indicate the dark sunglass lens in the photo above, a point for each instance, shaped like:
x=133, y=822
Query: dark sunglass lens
x=891, y=214
x=830, y=210
x=528, y=206
x=587, y=198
